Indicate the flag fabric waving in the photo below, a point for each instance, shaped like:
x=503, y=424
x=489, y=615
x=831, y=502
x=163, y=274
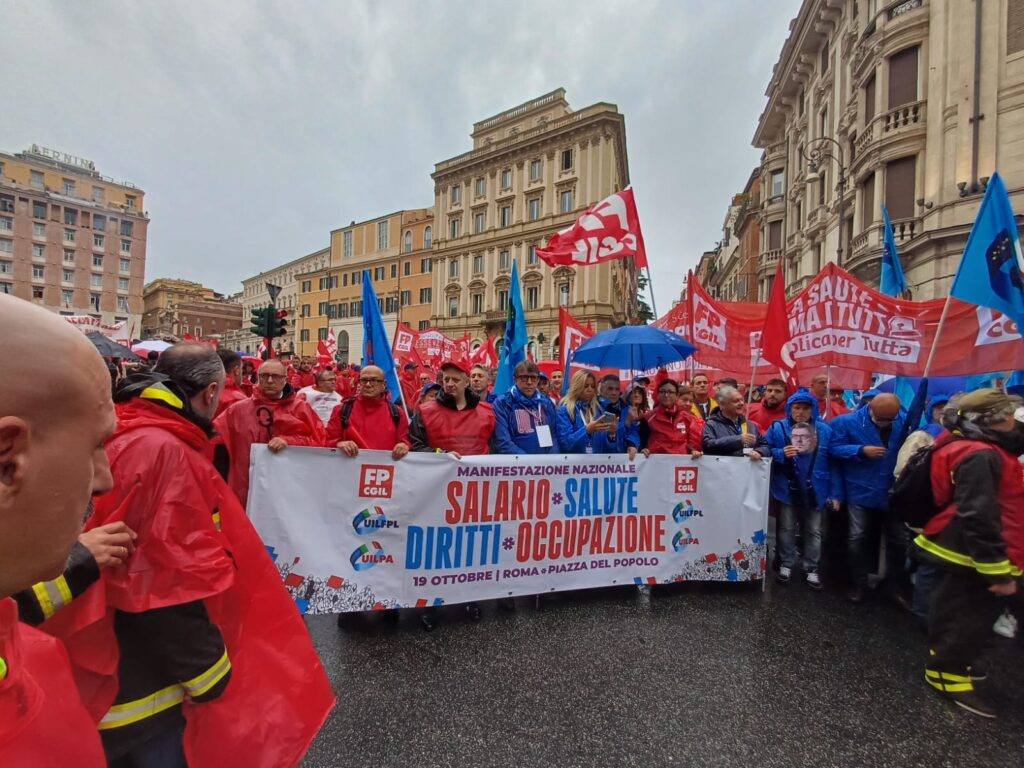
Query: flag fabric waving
x=991, y=267
x=606, y=231
x=893, y=282
x=485, y=354
x=327, y=348
x=513, y=351
x=775, y=336
x=376, y=348
x=403, y=348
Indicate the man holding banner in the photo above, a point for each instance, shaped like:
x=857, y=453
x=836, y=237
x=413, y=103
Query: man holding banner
x=525, y=418
x=369, y=420
x=457, y=422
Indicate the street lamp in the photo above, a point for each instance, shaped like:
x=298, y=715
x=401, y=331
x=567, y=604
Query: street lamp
x=827, y=148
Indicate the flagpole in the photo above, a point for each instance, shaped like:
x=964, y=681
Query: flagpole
x=753, y=373
x=828, y=393
x=938, y=335
x=650, y=287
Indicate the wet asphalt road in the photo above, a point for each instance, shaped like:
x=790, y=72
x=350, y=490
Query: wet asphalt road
x=695, y=675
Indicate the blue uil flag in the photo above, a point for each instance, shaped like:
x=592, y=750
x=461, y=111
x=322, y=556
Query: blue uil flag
x=990, y=271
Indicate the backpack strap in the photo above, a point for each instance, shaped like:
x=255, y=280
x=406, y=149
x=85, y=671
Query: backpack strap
x=346, y=412
x=396, y=415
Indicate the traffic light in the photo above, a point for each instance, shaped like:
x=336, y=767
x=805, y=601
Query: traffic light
x=279, y=323
x=258, y=321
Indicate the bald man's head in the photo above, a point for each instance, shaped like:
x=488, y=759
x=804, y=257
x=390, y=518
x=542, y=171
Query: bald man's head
x=52, y=431
x=885, y=408
x=371, y=382
x=272, y=379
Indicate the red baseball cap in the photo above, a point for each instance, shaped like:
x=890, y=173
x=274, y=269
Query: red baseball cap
x=457, y=365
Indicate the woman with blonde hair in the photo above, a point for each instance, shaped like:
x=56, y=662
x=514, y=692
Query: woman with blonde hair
x=580, y=426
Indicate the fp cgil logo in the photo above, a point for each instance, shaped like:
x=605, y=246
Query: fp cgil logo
x=376, y=481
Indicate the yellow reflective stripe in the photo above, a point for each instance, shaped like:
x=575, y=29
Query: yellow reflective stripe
x=3, y=669
x=65, y=591
x=950, y=687
x=43, y=598
x=948, y=676
x=1002, y=568
x=130, y=712
x=216, y=520
x=200, y=684
x=161, y=393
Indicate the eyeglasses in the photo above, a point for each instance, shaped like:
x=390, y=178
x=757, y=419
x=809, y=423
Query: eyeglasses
x=667, y=392
x=270, y=376
x=527, y=377
x=370, y=381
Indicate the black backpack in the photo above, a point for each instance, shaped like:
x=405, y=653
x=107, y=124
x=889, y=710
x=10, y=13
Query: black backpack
x=346, y=412
x=911, y=495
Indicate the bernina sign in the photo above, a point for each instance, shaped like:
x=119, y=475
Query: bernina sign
x=61, y=157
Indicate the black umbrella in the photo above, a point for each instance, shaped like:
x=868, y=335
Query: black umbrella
x=109, y=348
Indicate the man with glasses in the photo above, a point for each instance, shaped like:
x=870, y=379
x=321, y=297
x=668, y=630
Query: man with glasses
x=673, y=429
x=457, y=422
x=323, y=398
x=524, y=416
x=273, y=415
x=867, y=442
x=369, y=420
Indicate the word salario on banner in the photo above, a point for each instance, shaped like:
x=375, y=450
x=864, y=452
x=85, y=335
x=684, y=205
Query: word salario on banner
x=838, y=321
x=430, y=530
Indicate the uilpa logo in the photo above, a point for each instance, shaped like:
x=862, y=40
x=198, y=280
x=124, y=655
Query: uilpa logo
x=376, y=481
x=368, y=555
x=686, y=479
x=683, y=539
x=366, y=521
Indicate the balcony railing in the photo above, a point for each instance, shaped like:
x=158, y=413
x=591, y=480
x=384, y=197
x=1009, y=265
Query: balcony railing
x=769, y=259
x=903, y=116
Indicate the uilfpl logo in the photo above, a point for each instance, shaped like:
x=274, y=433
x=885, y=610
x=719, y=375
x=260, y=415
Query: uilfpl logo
x=376, y=481
x=685, y=509
x=683, y=539
x=369, y=555
x=367, y=522
x=686, y=479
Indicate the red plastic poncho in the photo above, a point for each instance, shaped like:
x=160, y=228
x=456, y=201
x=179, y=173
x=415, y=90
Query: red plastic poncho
x=169, y=493
x=232, y=394
x=370, y=425
x=257, y=420
x=42, y=721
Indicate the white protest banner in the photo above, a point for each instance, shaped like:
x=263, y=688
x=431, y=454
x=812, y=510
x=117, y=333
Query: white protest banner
x=371, y=533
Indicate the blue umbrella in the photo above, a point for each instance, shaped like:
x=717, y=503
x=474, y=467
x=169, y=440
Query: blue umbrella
x=638, y=347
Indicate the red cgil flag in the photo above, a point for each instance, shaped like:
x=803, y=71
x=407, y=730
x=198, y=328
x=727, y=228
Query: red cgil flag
x=606, y=231
x=485, y=354
x=775, y=338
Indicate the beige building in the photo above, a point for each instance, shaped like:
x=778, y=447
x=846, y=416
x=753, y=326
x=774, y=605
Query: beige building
x=173, y=309
x=396, y=252
x=732, y=270
x=531, y=172
x=71, y=240
x=255, y=294
x=913, y=104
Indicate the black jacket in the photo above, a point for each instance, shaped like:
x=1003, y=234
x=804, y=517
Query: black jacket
x=724, y=438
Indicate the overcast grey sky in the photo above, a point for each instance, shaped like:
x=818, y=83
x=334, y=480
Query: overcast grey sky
x=256, y=127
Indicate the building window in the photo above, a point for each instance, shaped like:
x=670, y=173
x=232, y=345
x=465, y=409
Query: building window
x=456, y=194
x=346, y=244
x=321, y=334
x=378, y=273
x=326, y=283
x=126, y=228
x=407, y=268
x=38, y=210
x=774, y=235
x=304, y=334
x=778, y=184
x=6, y=287
x=453, y=306
x=126, y=246
x=69, y=187
x=324, y=308
x=567, y=157
x=98, y=194
x=341, y=310
x=394, y=270
x=505, y=213
x=428, y=237
x=425, y=297
x=535, y=170
x=122, y=304
x=390, y=304
x=407, y=244
x=480, y=187
x=824, y=58
x=502, y=301
x=69, y=257
x=903, y=77
x=304, y=311
x=7, y=267
x=563, y=294
x=405, y=298
x=453, y=268
x=531, y=255
x=899, y=187
x=454, y=228
x=70, y=217
x=479, y=222
x=357, y=277
x=565, y=201
x=38, y=251
x=38, y=272
x=478, y=264
x=37, y=292
x=129, y=202
x=97, y=241
x=69, y=235
x=36, y=180
x=869, y=101
x=506, y=179
x=307, y=286
x=124, y=265
x=7, y=223
x=355, y=309
x=96, y=281
x=534, y=208
x=7, y=203
x=122, y=284
x=97, y=261
x=869, y=208
x=94, y=301
x=532, y=297
x=504, y=259
x=426, y=265
x=382, y=235
x=99, y=222
x=424, y=325
x=67, y=298
x=476, y=302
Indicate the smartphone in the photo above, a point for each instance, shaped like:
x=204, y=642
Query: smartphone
x=608, y=418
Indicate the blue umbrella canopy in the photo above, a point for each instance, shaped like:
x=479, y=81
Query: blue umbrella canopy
x=639, y=347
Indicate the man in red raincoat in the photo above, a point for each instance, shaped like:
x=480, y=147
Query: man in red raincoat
x=192, y=652
x=273, y=415
x=51, y=461
x=369, y=420
x=233, y=375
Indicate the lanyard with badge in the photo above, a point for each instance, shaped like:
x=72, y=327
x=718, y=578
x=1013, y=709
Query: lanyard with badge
x=543, y=430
